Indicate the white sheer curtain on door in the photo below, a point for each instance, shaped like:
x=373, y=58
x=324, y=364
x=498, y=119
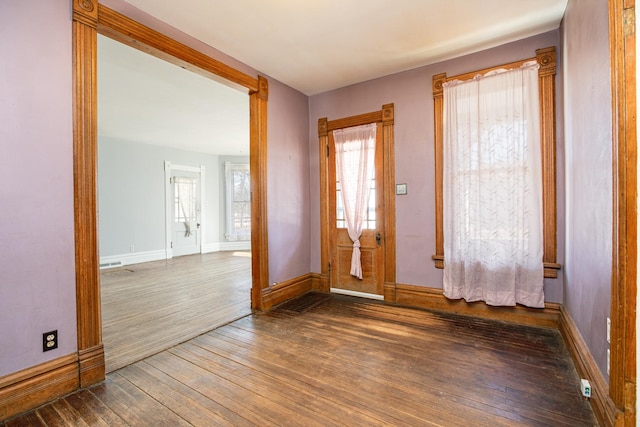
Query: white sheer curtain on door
x=355, y=168
x=492, y=189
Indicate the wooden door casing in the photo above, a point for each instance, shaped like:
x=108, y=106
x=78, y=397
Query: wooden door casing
x=385, y=167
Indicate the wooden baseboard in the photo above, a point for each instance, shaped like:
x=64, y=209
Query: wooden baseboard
x=91, y=366
x=32, y=387
x=433, y=299
x=283, y=291
x=602, y=404
x=320, y=282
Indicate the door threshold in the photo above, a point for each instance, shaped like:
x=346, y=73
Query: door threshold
x=357, y=294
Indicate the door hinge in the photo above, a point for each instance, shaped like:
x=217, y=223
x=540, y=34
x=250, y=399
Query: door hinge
x=171, y=245
x=327, y=150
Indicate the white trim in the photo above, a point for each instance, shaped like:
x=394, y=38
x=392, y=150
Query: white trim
x=168, y=203
x=210, y=247
x=229, y=167
x=167, y=208
x=226, y=246
x=357, y=294
x=131, y=258
x=243, y=245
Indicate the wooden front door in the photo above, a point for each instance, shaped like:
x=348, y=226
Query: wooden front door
x=372, y=239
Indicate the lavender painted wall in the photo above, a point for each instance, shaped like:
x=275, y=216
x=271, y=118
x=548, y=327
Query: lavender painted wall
x=588, y=171
x=37, y=271
x=413, y=99
x=37, y=274
x=288, y=180
x=288, y=189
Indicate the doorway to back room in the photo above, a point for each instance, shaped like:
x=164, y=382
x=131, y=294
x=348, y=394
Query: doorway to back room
x=169, y=268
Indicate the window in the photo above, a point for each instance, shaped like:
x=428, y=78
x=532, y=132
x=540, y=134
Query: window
x=546, y=58
x=185, y=199
x=238, y=200
x=370, y=216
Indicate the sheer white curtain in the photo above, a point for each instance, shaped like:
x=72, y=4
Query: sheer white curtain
x=355, y=168
x=492, y=189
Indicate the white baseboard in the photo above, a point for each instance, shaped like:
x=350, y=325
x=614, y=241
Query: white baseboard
x=226, y=246
x=132, y=258
x=244, y=245
x=210, y=247
x=113, y=261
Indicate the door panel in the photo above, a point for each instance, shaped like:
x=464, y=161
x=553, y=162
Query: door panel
x=185, y=230
x=341, y=246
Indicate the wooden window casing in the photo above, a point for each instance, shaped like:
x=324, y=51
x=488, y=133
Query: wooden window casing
x=546, y=58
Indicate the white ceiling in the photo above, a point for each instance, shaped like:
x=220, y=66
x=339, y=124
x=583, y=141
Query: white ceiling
x=311, y=45
x=318, y=45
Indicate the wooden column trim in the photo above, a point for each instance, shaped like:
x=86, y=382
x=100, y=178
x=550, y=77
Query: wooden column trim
x=438, y=101
x=323, y=156
x=388, y=115
x=622, y=379
x=258, y=170
x=546, y=58
x=88, y=310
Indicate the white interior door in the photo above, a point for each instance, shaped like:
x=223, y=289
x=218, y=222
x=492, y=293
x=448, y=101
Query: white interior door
x=186, y=213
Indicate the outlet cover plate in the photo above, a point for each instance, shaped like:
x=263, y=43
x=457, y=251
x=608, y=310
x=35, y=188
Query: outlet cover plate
x=50, y=340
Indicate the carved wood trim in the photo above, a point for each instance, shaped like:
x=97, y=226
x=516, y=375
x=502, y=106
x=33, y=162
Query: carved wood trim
x=389, y=170
x=623, y=375
x=438, y=104
x=86, y=12
x=88, y=308
x=91, y=365
x=546, y=58
x=258, y=171
x=385, y=116
x=88, y=18
x=138, y=36
x=358, y=120
x=323, y=156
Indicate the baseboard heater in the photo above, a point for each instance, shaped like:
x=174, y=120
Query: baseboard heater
x=110, y=265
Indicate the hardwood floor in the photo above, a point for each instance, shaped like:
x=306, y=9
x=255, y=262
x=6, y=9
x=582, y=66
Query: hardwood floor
x=149, y=307
x=346, y=362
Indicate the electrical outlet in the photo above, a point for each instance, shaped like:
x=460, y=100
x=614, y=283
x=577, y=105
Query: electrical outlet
x=132, y=248
x=585, y=388
x=50, y=340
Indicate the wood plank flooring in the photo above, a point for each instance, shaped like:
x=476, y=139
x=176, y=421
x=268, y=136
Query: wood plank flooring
x=346, y=362
x=149, y=307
